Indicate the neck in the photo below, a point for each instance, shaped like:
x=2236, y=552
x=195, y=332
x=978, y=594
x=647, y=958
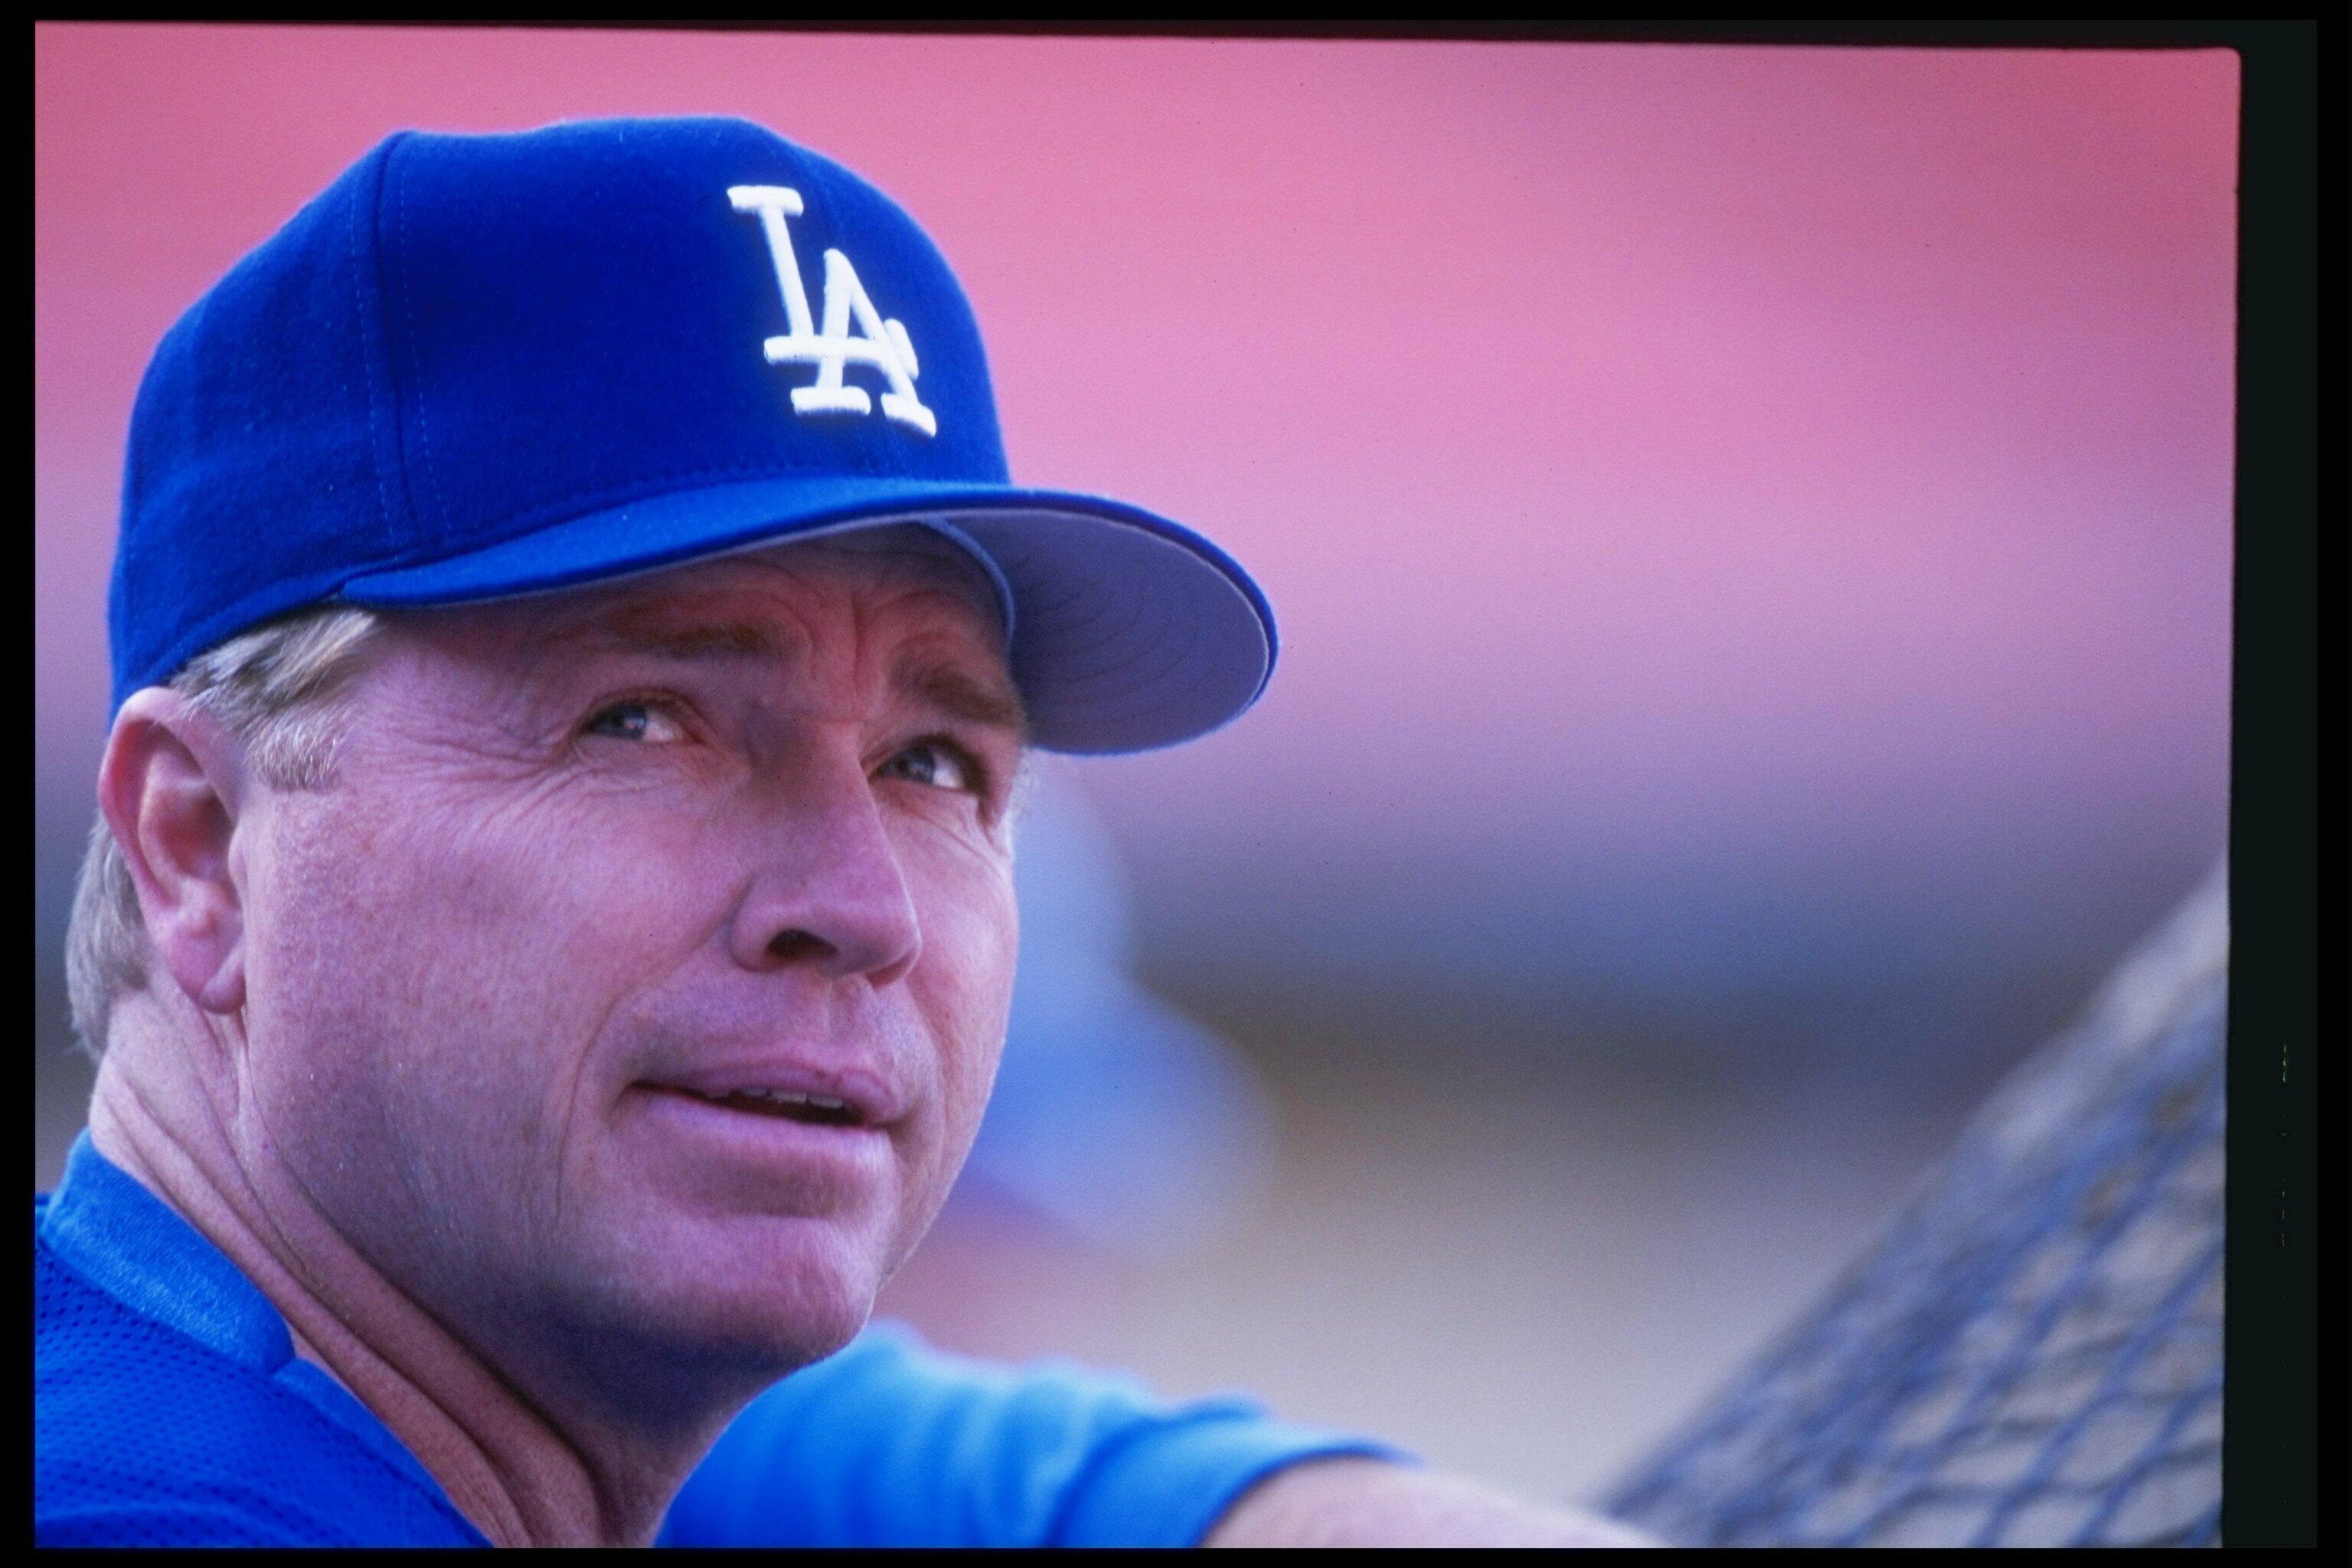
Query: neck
x=544, y=1468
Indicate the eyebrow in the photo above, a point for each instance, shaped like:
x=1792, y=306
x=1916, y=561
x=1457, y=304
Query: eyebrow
x=954, y=691
x=958, y=694
x=668, y=639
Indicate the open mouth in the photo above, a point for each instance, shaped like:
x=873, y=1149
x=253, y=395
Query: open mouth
x=816, y=1110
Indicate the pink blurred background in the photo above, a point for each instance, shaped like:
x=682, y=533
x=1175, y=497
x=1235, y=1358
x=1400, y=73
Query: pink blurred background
x=1751, y=533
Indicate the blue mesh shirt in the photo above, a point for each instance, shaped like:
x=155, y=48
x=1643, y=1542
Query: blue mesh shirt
x=170, y=1409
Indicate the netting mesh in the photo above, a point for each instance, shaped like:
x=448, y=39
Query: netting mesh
x=2031, y=1355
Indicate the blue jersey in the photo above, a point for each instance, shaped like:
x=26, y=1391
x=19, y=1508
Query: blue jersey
x=170, y=1408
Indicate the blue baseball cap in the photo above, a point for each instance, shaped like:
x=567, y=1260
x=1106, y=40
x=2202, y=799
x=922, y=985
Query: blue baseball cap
x=478, y=366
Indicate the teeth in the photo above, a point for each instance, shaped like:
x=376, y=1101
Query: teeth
x=785, y=1097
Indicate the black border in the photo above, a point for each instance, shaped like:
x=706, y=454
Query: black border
x=2286, y=887
x=2284, y=1398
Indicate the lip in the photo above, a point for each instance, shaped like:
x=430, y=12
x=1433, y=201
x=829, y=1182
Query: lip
x=872, y=1098
x=823, y=1164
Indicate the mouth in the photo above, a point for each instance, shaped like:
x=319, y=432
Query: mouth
x=780, y=1086
x=817, y=1146
x=781, y=1104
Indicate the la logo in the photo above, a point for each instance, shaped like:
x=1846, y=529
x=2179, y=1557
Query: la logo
x=882, y=344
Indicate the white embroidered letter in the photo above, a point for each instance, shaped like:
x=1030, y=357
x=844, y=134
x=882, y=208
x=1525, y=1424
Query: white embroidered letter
x=881, y=343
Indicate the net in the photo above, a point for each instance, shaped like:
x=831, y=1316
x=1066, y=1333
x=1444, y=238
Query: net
x=2032, y=1353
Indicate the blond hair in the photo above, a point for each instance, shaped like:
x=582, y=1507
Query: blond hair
x=275, y=689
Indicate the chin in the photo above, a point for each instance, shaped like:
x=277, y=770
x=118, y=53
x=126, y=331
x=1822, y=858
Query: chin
x=786, y=1292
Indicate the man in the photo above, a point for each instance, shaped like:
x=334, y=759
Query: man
x=550, y=931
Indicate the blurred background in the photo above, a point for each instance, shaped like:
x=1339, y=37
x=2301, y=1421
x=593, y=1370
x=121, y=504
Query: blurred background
x=1751, y=533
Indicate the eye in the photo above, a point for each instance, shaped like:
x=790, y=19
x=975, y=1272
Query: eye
x=641, y=721
x=934, y=762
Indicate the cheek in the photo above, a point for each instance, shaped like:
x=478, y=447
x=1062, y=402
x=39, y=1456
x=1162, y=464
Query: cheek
x=427, y=983
x=964, y=986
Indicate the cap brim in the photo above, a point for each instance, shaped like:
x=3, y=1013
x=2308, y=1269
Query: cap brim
x=1130, y=631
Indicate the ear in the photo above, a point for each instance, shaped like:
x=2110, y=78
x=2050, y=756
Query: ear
x=169, y=788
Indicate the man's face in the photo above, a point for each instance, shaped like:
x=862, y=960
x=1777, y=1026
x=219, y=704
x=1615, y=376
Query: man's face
x=595, y=857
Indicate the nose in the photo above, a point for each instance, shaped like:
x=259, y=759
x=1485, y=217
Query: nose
x=830, y=894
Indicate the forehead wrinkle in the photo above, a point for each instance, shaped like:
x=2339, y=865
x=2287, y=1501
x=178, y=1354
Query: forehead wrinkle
x=687, y=621
x=903, y=562
x=941, y=678
x=889, y=572
x=727, y=611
